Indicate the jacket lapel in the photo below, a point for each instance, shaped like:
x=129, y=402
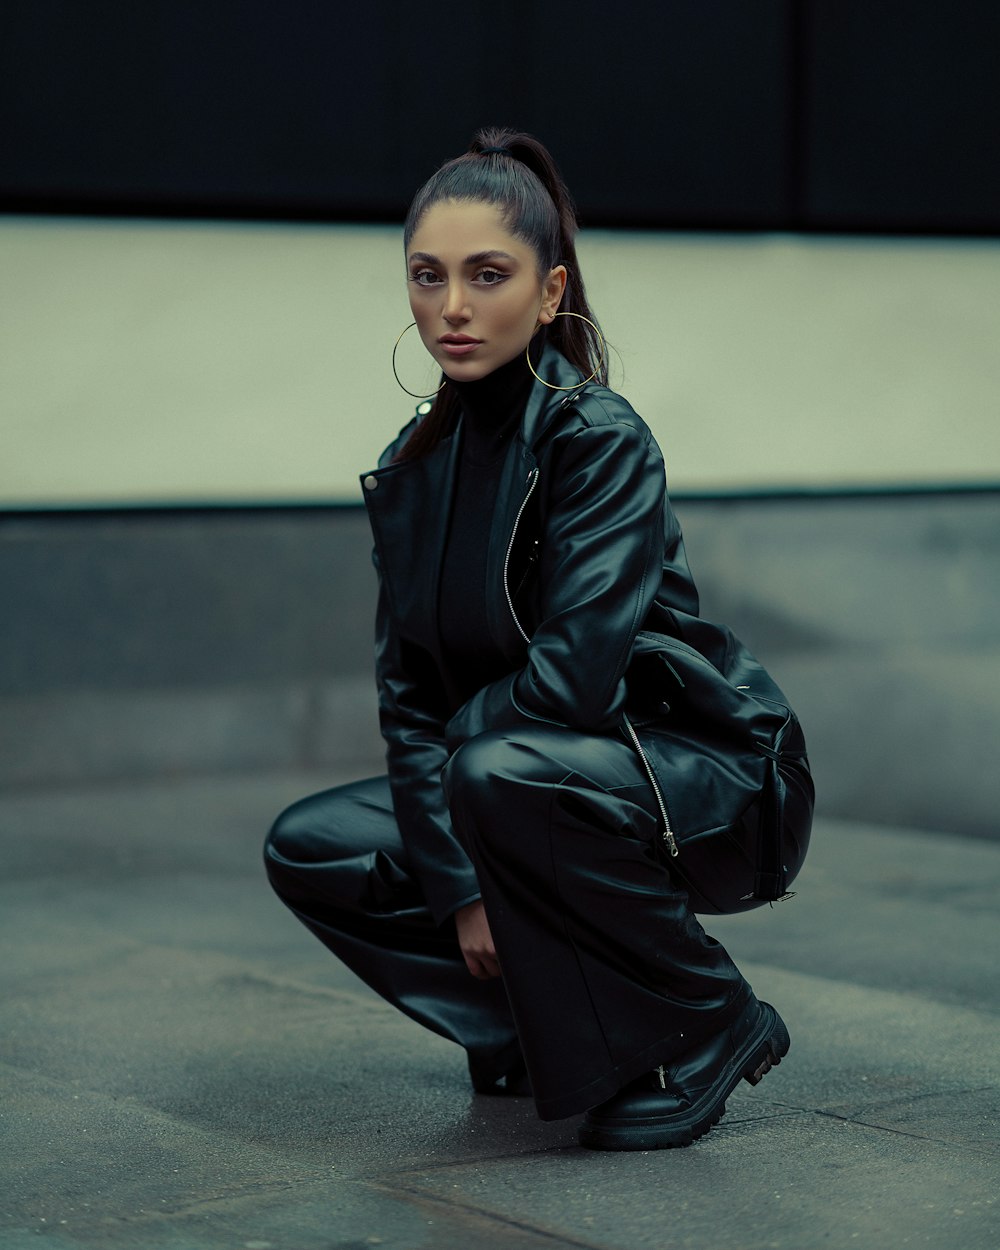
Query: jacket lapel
x=515, y=482
x=409, y=506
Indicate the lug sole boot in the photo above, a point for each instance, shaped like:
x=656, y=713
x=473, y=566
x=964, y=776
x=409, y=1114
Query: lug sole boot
x=682, y=1100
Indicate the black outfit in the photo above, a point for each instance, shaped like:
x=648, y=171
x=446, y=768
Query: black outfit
x=513, y=771
x=491, y=409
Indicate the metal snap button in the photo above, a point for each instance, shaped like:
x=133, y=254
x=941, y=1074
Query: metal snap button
x=370, y=482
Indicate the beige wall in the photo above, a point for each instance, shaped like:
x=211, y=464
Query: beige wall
x=185, y=362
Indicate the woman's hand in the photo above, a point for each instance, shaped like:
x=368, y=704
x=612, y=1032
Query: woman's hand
x=476, y=941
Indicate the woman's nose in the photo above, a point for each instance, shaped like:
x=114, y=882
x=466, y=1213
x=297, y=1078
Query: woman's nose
x=456, y=306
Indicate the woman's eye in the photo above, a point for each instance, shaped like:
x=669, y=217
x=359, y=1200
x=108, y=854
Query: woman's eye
x=490, y=277
x=424, y=277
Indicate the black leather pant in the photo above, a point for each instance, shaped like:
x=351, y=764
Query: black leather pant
x=606, y=971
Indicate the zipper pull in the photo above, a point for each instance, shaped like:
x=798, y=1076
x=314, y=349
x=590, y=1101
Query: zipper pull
x=661, y=1073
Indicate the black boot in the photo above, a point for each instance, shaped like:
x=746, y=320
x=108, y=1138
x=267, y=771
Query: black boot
x=681, y=1100
x=502, y=1073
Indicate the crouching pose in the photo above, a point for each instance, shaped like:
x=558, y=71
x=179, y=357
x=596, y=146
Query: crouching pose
x=508, y=883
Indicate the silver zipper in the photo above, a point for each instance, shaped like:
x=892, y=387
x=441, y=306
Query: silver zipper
x=533, y=479
x=668, y=833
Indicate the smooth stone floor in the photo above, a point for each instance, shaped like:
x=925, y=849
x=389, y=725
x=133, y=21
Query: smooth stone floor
x=185, y=1068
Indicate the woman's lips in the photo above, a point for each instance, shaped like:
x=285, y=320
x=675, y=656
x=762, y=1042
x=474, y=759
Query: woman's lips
x=459, y=347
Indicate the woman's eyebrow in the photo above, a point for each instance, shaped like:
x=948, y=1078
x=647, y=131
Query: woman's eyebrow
x=477, y=258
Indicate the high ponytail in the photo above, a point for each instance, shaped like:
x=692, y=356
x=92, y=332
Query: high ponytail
x=516, y=173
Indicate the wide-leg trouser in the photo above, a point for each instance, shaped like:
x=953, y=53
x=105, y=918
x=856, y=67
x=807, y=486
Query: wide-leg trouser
x=606, y=971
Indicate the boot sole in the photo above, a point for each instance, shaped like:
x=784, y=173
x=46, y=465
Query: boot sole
x=762, y=1051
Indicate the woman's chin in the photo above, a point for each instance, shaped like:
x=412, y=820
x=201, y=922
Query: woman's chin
x=473, y=367
x=465, y=370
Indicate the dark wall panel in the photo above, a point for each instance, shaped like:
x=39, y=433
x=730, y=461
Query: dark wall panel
x=179, y=103
x=666, y=113
x=678, y=117
x=156, y=643
x=902, y=112
x=773, y=114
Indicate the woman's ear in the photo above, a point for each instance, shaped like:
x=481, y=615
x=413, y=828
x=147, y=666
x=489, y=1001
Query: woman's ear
x=552, y=292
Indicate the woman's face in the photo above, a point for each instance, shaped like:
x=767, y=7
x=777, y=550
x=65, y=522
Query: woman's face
x=475, y=291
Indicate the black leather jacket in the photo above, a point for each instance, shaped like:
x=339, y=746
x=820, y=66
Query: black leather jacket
x=584, y=552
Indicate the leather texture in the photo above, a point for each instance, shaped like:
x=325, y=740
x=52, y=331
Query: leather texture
x=586, y=559
x=531, y=794
x=337, y=861
x=681, y=1100
x=730, y=762
x=606, y=971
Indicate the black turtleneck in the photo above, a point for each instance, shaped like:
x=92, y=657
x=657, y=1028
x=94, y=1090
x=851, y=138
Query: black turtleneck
x=492, y=408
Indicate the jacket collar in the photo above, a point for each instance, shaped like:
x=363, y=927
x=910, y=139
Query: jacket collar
x=544, y=404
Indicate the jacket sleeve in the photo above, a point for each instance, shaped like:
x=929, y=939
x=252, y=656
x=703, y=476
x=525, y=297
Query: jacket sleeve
x=412, y=720
x=600, y=565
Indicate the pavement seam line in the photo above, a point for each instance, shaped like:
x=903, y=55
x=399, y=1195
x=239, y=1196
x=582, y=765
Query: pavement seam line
x=568, y=1148
x=899, y=1132
x=420, y=1195
x=885, y=1128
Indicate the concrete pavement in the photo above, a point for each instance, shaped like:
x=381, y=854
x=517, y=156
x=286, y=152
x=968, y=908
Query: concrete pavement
x=184, y=1068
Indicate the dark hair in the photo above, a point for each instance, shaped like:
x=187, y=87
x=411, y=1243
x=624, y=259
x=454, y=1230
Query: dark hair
x=516, y=173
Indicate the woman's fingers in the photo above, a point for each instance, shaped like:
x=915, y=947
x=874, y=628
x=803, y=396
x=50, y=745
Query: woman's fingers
x=484, y=967
x=476, y=941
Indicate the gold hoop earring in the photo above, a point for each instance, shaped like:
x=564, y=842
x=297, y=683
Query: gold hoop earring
x=576, y=385
x=396, y=375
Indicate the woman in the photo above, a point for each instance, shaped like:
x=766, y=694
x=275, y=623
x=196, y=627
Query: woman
x=508, y=883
